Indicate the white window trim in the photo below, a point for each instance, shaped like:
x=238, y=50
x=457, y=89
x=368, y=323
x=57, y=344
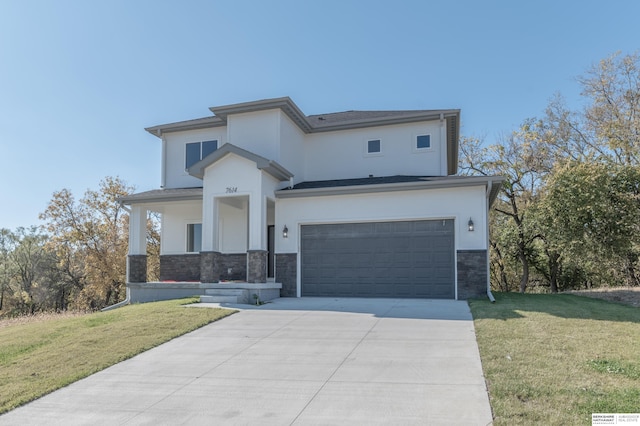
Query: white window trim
x=414, y=143
x=365, y=150
x=186, y=235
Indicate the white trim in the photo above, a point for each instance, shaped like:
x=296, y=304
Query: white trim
x=186, y=235
x=414, y=143
x=366, y=152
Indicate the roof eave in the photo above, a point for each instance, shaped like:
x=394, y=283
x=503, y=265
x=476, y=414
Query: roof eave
x=453, y=137
x=285, y=104
x=197, y=124
x=133, y=199
x=388, y=121
x=390, y=187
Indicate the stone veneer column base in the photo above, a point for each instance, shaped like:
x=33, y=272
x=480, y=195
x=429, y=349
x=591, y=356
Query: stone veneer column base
x=472, y=274
x=209, y=266
x=256, y=266
x=137, y=264
x=287, y=273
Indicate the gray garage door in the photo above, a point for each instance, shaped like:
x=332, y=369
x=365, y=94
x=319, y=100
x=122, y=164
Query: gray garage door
x=381, y=259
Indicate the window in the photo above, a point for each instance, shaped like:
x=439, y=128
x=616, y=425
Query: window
x=194, y=237
x=196, y=151
x=373, y=146
x=423, y=142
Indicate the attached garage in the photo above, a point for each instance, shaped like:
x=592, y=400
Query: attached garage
x=410, y=259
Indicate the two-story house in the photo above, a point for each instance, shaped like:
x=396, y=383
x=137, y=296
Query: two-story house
x=357, y=203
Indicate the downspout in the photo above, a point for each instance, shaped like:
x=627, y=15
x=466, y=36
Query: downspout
x=126, y=301
x=489, y=294
x=163, y=161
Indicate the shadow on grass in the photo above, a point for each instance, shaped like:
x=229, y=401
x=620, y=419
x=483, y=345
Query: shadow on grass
x=515, y=305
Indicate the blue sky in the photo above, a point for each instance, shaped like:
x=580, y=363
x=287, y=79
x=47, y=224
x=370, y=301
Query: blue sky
x=79, y=80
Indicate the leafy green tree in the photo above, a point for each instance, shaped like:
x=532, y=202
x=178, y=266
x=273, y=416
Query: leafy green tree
x=592, y=211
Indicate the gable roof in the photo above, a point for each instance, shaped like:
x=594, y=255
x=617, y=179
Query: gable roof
x=269, y=166
x=327, y=122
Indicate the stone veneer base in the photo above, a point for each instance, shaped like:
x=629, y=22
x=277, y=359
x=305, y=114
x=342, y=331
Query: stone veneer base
x=472, y=274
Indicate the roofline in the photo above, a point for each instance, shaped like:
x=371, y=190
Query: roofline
x=431, y=115
x=296, y=115
x=285, y=104
x=496, y=185
x=193, y=195
x=195, y=124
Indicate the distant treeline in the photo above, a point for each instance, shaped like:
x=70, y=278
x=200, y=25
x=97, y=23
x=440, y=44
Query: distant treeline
x=569, y=213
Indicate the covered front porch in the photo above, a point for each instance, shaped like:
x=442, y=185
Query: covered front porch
x=212, y=237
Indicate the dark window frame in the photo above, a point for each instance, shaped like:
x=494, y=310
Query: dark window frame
x=374, y=143
x=196, y=151
x=423, y=137
x=194, y=237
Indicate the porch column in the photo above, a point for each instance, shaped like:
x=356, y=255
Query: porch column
x=257, y=253
x=137, y=258
x=210, y=255
x=210, y=224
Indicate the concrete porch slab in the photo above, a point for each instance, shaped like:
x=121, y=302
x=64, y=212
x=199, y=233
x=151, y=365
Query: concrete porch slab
x=167, y=290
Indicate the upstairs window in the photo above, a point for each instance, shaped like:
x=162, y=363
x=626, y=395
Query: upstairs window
x=423, y=142
x=196, y=151
x=373, y=146
x=194, y=237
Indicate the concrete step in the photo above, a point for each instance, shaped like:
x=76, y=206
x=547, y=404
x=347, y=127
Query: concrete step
x=218, y=299
x=224, y=292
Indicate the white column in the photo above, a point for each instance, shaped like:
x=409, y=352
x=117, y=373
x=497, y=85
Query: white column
x=210, y=225
x=257, y=222
x=138, y=230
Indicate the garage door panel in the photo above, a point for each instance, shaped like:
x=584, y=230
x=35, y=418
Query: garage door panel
x=380, y=259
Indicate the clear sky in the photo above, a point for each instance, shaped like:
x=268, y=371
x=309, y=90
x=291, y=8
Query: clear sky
x=80, y=79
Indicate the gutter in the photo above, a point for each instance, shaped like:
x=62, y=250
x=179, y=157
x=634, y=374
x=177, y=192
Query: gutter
x=126, y=301
x=489, y=294
x=431, y=183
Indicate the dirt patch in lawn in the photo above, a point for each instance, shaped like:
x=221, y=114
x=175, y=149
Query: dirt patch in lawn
x=626, y=295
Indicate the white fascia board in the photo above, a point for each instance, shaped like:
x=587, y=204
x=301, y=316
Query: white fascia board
x=389, y=187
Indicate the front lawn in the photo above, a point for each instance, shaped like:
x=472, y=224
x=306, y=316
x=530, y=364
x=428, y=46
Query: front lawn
x=556, y=359
x=38, y=357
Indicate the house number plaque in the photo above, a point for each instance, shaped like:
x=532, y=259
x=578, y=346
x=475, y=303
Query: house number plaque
x=232, y=189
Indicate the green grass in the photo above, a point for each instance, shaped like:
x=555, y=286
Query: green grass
x=39, y=357
x=555, y=359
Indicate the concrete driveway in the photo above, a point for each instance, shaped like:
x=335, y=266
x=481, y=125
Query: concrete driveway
x=292, y=362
